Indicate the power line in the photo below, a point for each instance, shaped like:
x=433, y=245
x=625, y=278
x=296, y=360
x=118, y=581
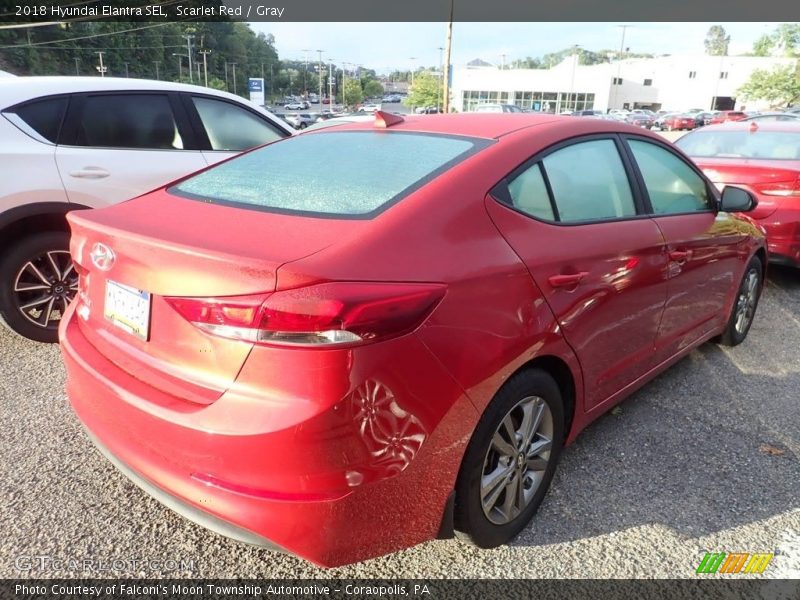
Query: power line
x=109, y=48
x=89, y=37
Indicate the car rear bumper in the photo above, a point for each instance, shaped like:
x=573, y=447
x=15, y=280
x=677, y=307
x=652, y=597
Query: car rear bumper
x=783, y=237
x=363, y=476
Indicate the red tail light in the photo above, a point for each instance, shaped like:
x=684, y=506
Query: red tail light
x=319, y=315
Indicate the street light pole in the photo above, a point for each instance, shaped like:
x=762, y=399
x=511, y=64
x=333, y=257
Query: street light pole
x=330, y=83
x=319, y=75
x=305, y=71
x=101, y=68
x=617, y=82
x=412, y=59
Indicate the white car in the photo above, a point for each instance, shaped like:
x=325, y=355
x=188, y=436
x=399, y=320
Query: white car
x=84, y=142
x=371, y=107
x=294, y=106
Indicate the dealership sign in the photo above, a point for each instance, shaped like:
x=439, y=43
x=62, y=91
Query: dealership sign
x=256, y=87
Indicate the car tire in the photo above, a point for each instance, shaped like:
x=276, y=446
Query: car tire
x=478, y=511
x=47, y=252
x=745, y=304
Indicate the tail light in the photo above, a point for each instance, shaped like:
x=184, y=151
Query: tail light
x=327, y=314
x=781, y=188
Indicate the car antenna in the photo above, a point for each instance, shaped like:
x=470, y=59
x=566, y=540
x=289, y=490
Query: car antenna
x=386, y=120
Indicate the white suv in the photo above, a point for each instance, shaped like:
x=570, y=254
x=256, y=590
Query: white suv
x=71, y=143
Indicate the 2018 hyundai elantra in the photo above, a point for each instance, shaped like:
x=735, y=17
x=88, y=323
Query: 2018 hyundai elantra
x=344, y=364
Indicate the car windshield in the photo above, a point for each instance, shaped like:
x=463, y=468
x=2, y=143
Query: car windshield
x=742, y=143
x=360, y=172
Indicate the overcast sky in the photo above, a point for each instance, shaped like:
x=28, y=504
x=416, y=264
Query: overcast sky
x=388, y=46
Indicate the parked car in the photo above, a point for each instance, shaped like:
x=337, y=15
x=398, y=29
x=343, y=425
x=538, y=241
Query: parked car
x=370, y=107
x=249, y=344
x=586, y=113
x=679, y=122
x=83, y=142
x=701, y=119
x=337, y=121
x=426, y=110
x=299, y=120
x=498, y=108
x=724, y=116
x=773, y=116
x=763, y=158
x=640, y=119
x=295, y=105
x=659, y=122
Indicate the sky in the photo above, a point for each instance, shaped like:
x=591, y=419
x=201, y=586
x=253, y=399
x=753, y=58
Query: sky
x=388, y=46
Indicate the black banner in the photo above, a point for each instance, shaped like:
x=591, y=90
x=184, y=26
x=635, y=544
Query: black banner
x=44, y=11
x=323, y=589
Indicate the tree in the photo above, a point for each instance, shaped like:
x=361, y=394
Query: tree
x=763, y=46
x=717, y=41
x=425, y=91
x=779, y=87
x=785, y=40
x=353, y=94
x=372, y=88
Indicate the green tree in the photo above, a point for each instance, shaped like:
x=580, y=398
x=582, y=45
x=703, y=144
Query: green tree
x=763, y=46
x=353, y=94
x=372, y=88
x=717, y=41
x=425, y=91
x=779, y=87
x=784, y=40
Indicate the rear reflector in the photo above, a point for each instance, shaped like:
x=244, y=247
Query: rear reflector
x=327, y=314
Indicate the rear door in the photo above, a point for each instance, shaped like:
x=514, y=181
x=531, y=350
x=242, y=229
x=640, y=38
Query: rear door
x=115, y=146
x=578, y=224
x=702, y=244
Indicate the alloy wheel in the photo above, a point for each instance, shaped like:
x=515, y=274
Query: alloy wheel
x=516, y=460
x=746, y=302
x=44, y=286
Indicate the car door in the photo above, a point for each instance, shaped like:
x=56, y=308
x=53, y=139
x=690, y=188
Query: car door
x=118, y=145
x=702, y=244
x=578, y=224
x=225, y=128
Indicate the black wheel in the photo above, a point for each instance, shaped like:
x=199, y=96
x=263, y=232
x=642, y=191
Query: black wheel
x=510, y=459
x=37, y=282
x=744, y=307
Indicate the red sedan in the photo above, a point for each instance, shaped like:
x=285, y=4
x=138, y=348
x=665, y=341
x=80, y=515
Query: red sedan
x=347, y=364
x=679, y=122
x=725, y=116
x=764, y=158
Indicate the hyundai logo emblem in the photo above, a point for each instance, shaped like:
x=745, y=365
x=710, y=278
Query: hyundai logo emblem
x=102, y=256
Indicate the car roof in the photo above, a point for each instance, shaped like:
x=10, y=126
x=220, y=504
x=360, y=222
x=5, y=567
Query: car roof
x=14, y=90
x=490, y=125
x=754, y=126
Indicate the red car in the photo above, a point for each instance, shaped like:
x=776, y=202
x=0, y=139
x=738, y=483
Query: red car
x=679, y=122
x=724, y=116
x=345, y=365
x=764, y=158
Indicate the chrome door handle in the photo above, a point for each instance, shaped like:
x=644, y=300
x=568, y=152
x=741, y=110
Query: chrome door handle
x=90, y=173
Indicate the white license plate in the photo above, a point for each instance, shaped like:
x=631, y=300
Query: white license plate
x=128, y=308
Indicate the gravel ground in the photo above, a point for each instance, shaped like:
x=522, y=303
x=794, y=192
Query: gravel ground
x=705, y=458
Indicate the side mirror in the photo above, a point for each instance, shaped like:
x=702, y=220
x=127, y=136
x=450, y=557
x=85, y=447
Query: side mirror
x=736, y=199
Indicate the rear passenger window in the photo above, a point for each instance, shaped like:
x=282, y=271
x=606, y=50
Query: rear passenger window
x=673, y=186
x=43, y=116
x=529, y=194
x=233, y=128
x=142, y=121
x=589, y=182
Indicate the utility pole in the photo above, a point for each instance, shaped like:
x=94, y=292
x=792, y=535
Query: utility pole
x=77, y=70
x=234, y=77
x=189, y=39
x=305, y=71
x=412, y=59
x=503, y=63
x=126, y=69
x=156, y=63
x=101, y=68
x=441, y=80
x=448, y=48
x=227, y=85
x=319, y=73
x=575, y=57
x=619, y=63
x=330, y=83
x=205, y=54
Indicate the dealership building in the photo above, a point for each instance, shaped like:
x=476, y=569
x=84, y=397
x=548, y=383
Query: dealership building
x=663, y=83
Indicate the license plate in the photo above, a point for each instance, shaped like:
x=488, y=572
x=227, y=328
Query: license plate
x=128, y=308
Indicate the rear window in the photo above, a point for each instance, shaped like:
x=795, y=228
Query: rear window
x=766, y=145
x=43, y=116
x=355, y=174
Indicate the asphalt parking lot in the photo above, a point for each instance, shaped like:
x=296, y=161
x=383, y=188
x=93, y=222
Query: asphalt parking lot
x=705, y=458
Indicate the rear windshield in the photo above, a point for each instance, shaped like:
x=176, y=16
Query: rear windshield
x=766, y=145
x=347, y=173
